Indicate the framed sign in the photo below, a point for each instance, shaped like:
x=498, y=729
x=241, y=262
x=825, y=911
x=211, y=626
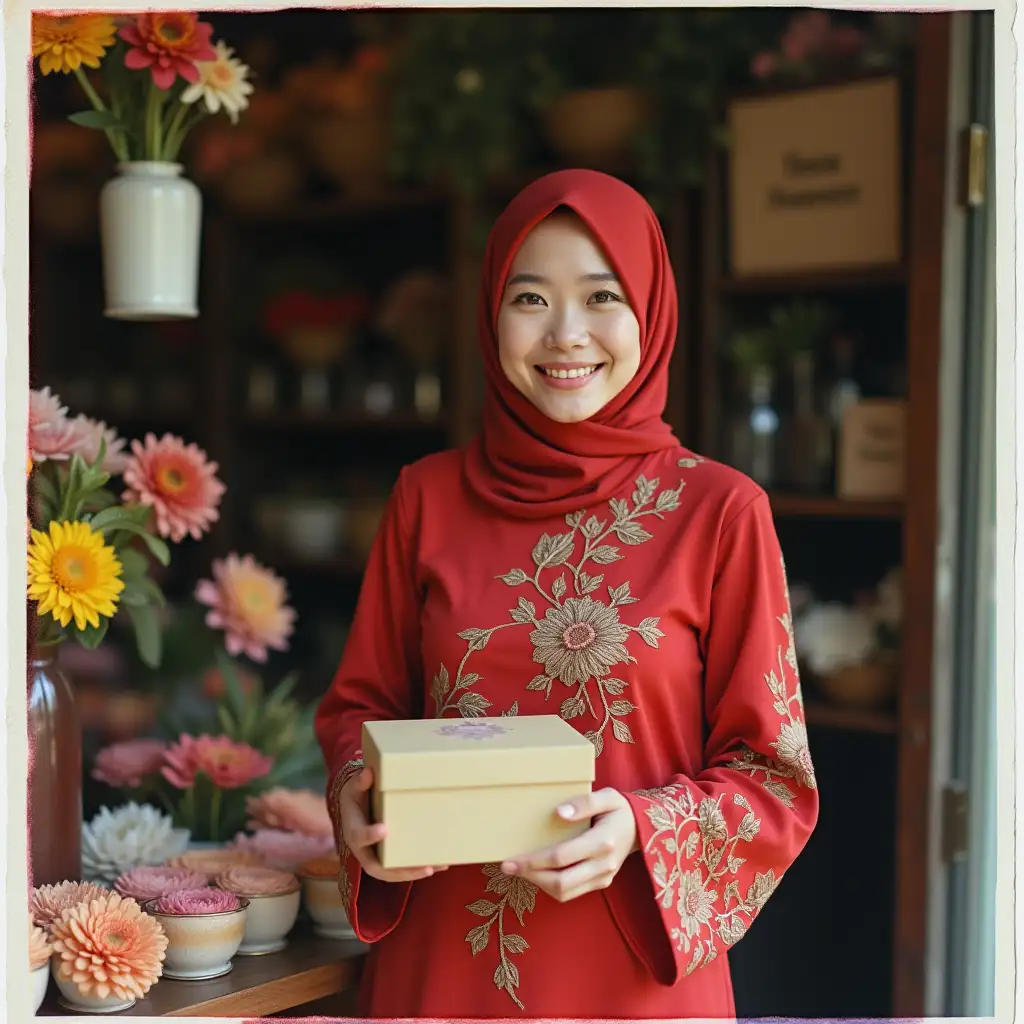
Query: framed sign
x=814, y=179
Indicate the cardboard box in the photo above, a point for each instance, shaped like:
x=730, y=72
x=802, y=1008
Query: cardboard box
x=474, y=791
x=814, y=179
x=872, y=451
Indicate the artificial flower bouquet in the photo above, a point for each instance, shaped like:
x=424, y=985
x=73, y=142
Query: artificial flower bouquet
x=160, y=74
x=89, y=550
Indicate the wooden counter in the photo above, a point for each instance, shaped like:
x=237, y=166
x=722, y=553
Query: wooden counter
x=310, y=968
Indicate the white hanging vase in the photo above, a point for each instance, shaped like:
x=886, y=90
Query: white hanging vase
x=150, y=227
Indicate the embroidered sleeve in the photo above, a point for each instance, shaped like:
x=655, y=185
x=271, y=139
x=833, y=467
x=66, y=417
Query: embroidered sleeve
x=715, y=847
x=375, y=681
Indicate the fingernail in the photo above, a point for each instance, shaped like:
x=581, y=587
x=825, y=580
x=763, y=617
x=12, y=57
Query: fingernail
x=566, y=811
x=509, y=868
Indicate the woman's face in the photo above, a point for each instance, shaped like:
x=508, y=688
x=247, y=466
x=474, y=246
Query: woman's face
x=567, y=337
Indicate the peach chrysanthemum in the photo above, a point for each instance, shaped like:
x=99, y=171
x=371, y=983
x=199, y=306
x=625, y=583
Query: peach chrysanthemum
x=212, y=862
x=88, y=435
x=256, y=881
x=39, y=948
x=327, y=866
x=147, y=883
x=228, y=764
x=109, y=946
x=284, y=850
x=206, y=900
x=47, y=902
x=247, y=601
x=177, y=481
x=290, y=810
x=125, y=765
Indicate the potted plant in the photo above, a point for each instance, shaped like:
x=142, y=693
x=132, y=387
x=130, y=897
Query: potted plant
x=204, y=928
x=319, y=879
x=160, y=74
x=274, y=897
x=39, y=952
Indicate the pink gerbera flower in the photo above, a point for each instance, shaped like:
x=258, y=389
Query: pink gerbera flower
x=169, y=43
x=90, y=434
x=126, y=765
x=177, y=481
x=229, y=765
x=246, y=600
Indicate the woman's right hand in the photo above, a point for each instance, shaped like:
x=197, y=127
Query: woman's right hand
x=361, y=837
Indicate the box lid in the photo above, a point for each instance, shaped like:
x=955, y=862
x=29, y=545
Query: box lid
x=444, y=753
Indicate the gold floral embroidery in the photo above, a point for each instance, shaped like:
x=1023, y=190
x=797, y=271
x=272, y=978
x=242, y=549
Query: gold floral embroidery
x=698, y=865
x=792, y=754
x=579, y=638
x=521, y=896
x=349, y=769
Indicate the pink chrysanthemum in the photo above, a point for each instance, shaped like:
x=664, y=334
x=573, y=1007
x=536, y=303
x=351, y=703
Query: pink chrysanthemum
x=206, y=900
x=109, y=946
x=247, y=601
x=283, y=850
x=290, y=810
x=169, y=43
x=44, y=408
x=47, y=902
x=227, y=763
x=90, y=433
x=125, y=765
x=177, y=481
x=147, y=883
x=51, y=435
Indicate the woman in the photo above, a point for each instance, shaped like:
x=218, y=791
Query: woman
x=649, y=607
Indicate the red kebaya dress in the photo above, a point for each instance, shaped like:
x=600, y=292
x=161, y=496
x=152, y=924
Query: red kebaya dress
x=643, y=598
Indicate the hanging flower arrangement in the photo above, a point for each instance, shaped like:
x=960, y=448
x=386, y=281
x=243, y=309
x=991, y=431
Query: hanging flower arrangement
x=159, y=75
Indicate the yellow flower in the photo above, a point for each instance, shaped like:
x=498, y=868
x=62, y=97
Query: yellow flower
x=73, y=574
x=65, y=43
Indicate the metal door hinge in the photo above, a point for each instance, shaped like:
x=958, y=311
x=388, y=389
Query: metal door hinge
x=954, y=822
x=974, y=165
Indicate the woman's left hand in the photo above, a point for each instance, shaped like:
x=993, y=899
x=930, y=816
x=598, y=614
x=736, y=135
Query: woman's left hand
x=589, y=861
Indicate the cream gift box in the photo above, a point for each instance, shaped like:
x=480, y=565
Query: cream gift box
x=474, y=791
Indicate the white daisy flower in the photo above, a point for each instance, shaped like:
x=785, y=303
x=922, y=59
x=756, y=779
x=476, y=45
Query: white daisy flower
x=222, y=83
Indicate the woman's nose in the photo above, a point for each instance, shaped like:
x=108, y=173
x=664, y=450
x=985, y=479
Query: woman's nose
x=567, y=331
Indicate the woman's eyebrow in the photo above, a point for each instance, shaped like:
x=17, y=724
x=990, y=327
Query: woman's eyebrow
x=528, y=278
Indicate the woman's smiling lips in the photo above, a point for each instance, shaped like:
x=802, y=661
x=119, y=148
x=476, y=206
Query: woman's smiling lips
x=568, y=376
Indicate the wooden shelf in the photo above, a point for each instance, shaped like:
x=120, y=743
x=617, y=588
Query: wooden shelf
x=827, y=717
x=827, y=507
x=310, y=968
x=343, y=423
x=814, y=281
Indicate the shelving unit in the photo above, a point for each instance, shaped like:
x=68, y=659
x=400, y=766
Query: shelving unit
x=869, y=849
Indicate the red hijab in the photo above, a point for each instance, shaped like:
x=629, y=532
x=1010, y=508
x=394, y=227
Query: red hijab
x=523, y=463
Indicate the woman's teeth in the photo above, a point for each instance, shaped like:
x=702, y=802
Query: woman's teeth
x=569, y=374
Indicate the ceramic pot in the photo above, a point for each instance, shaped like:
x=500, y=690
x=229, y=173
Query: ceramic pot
x=324, y=906
x=150, y=227
x=39, y=981
x=596, y=127
x=55, y=774
x=73, y=999
x=269, y=919
x=200, y=946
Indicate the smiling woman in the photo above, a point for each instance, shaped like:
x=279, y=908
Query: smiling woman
x=651, y=611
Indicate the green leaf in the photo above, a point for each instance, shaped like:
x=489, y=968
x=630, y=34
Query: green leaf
x=134, y=595
x=133, y=565
x=232, y=685
x=99, y=119
x=157, y=548
x=148, y=636
x=92, y=636
x=227, y=723
x=48, y=492
x=280, y=692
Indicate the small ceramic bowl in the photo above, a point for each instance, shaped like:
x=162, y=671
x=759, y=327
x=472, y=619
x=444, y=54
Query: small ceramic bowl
x=323, y=902
x=73, y=999
x=39, y=981
x=269, y=920
x=200, y=946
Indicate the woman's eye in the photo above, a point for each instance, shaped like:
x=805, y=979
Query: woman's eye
x=527, y=299
x=606, y=296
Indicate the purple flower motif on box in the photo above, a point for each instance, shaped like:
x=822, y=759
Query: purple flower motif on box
x=472, y=730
